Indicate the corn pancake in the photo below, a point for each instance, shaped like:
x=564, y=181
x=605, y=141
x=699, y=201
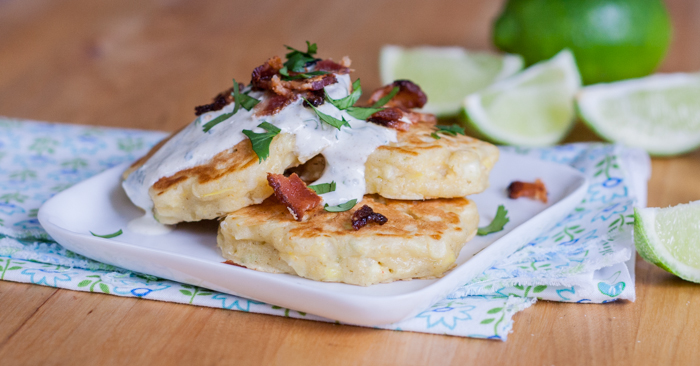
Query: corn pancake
x=417, y=166
x=231, y=180
x=421, y=239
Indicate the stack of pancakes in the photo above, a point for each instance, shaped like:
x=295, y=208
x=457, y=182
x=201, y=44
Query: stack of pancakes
x=418, y=183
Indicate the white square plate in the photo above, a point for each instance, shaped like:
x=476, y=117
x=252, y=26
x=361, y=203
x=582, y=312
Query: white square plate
x=189, y=253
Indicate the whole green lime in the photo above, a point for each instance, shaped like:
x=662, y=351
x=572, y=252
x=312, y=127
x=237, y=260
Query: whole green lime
x=611, y=39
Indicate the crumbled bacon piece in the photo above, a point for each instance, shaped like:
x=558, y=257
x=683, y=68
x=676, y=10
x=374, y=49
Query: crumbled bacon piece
x=409, y=96
x=220, y=101
x=318, y=82
x=315, y=98
x=294, y=194
x=535, y=190
x=331, y=66
x=267, y=77
x=390, y=117
x=278, y=86
x=262, y=75
x=366, y=215
x=274, y=104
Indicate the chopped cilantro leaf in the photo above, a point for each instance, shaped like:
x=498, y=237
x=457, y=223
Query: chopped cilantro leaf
x=209, y=125
x=435, y=136
x=452, y=130
x=236, y=94
x=329, y=119
x=362, y=112
x=347, y=102
x=311, y=49
x=323, y=187
x=497, y=224
x=341, y=207
x=108, y=236
x=387, y=98
x=261, y=141
x=297, y=60
x=240, y=100
x=297, y=63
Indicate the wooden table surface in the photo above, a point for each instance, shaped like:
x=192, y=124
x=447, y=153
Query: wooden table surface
x=141, y=64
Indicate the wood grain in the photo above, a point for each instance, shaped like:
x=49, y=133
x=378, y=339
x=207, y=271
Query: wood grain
x=147, y=64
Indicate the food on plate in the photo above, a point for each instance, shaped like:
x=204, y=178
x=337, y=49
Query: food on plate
x=204, y=175
x=308, y=182
x=419, y=166
x=536, y=190
x=420, y=239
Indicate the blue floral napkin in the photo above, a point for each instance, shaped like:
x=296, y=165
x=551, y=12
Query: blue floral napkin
x=587, y=257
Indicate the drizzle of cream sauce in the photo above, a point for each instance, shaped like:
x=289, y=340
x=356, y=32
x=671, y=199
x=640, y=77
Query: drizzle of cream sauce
x=345, y=150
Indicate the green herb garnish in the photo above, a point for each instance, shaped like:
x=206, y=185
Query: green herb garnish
x=261, y=141
x=497, y=224
x=362, y=112
x=323, y=187
x=329, y=119
x=341, y=207
x=297, y=60
x=452, y=130
x=435, y=136
x=108, y=236
x=347, y=102
x=387, y=98
x=240, y=99
x=209, y=125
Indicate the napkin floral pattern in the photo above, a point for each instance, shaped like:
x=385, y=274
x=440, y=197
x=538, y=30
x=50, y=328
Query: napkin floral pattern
x=582, y=259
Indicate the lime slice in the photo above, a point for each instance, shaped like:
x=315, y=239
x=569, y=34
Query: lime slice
x=659, y=113
x=670, y=238
x=446, y=74
x=532, y=108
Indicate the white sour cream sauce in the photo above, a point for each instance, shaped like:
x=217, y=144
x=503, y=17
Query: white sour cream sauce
x=345, y=150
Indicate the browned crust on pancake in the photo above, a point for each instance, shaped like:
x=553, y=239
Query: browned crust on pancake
x=236, y=158
x=421, y=239
x=405, y=218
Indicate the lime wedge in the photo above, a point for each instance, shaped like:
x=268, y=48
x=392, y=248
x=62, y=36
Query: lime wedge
x=659, y=113
x=670, y=238
x=446, y=74
x=532, y=108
